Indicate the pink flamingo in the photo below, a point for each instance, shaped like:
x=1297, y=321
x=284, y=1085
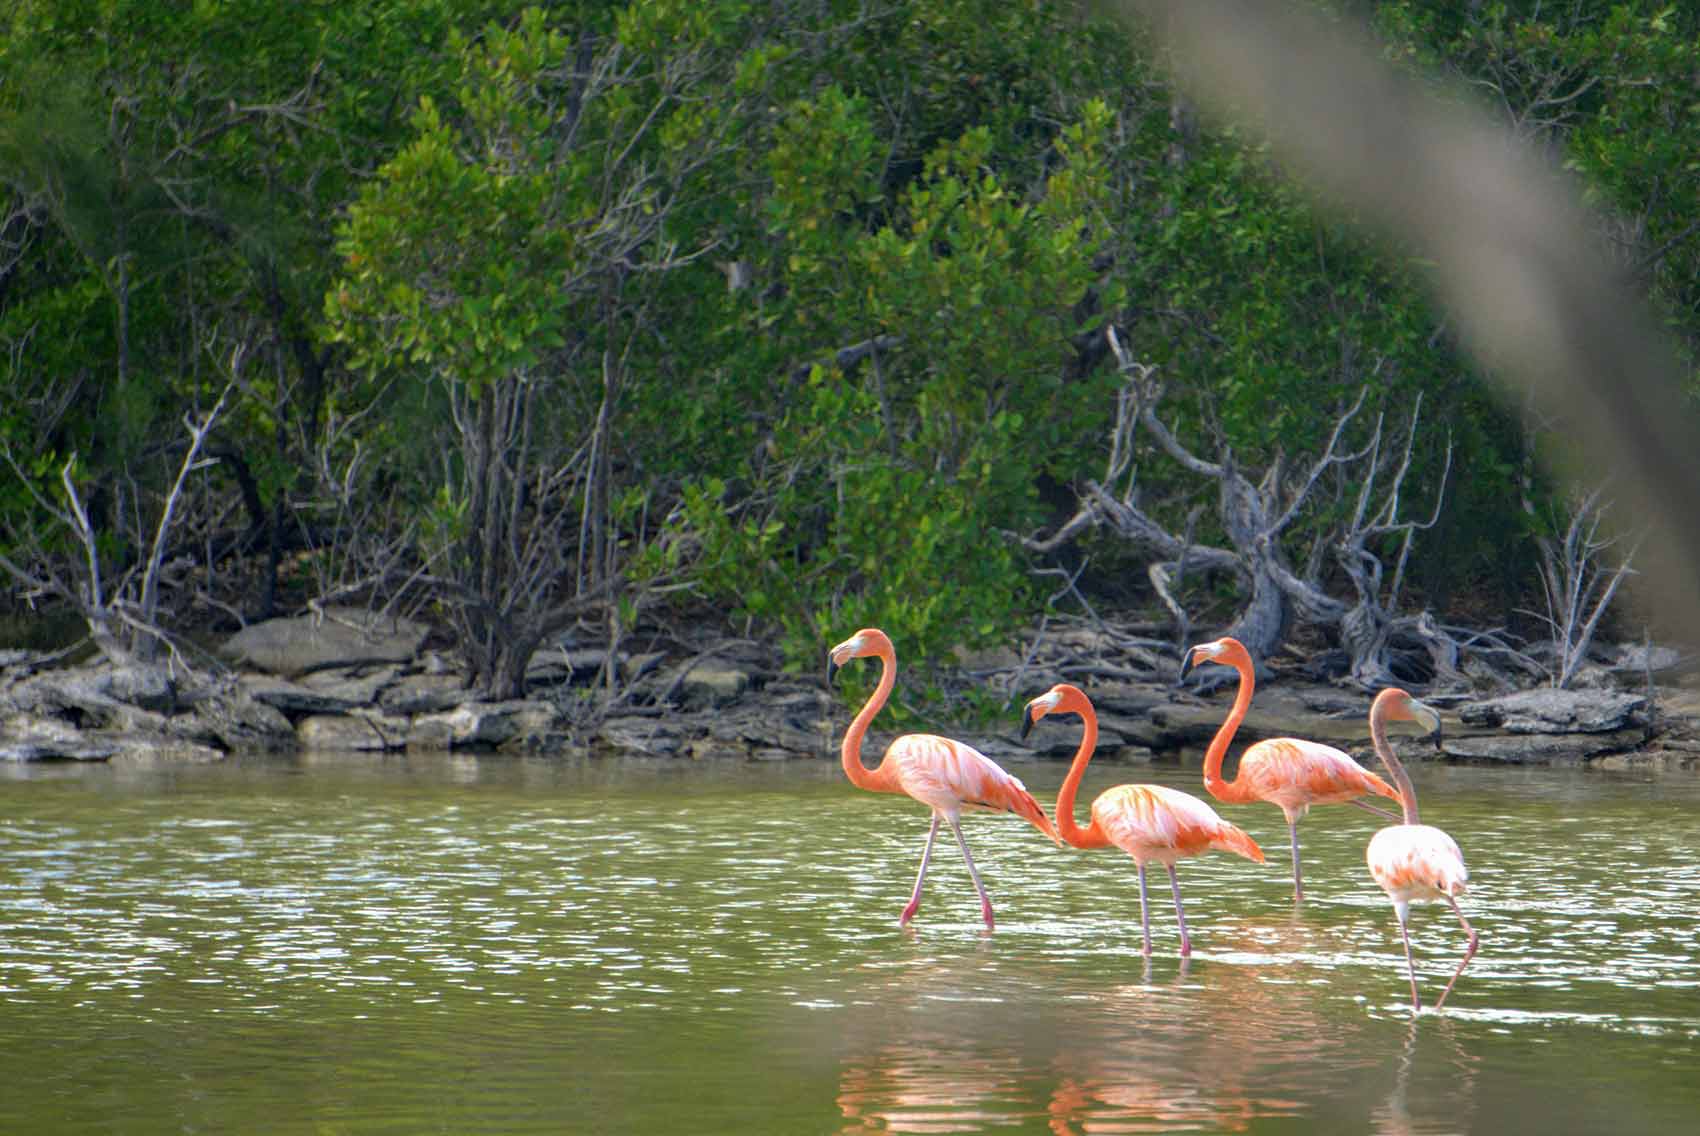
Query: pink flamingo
x=945, y=775
x=1289, y=772
x=1412, y=860
x=1148, y=822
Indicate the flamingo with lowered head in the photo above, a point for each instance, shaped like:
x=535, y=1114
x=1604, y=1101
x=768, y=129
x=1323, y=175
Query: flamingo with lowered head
x=1290, y=772
x=944, y=774
x=1148, y=822
x=1413, y=860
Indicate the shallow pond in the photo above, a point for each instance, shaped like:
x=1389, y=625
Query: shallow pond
x=339, y=944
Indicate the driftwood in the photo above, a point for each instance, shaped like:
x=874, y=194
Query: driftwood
x=1257, y=511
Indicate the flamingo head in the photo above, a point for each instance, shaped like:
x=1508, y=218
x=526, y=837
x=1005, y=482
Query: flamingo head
x=1062, y=697
x=1228, y=651
x=1396, y=705
x=868, y=641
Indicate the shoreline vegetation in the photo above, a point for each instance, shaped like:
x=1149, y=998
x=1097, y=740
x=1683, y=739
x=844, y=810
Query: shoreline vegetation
x=593, y=337
x=341, y=680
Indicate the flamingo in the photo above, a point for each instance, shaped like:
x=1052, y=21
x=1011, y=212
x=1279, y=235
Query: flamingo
x=1289, y=772
x=1148, y=822
x=1412, y=860
x=944, y=774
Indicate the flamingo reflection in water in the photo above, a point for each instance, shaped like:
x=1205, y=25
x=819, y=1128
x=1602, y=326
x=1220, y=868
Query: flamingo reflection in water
x=1207, y=1051
x=929, y=1049
x=934, y=1051
x=1455, y=1084
x=936, y=1081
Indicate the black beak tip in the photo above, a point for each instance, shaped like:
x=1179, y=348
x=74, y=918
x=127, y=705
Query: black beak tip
x=1026, y=722
x=1186, y=666
x=831, y=671
x=1435, y=738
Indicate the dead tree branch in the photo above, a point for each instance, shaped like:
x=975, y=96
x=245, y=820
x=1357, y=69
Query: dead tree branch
x=1256, y=511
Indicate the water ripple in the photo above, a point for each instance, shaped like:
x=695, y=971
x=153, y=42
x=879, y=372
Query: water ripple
x=698, y=915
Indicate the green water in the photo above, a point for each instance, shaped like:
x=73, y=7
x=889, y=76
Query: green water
x=460, y=945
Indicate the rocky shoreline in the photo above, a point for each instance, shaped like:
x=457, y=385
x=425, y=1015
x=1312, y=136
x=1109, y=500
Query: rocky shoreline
x=341, y=681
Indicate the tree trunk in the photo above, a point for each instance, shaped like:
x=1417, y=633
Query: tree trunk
x=1267, y=618
x=505, y=676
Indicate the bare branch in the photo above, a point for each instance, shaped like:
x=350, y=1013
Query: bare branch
x=1329, y=458
x=84, y=532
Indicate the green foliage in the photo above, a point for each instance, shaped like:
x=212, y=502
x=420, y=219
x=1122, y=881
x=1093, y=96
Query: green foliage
x=889, y=490
x=685, y=212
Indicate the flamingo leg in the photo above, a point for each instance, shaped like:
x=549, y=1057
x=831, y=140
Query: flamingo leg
x=1144, y=913
x=1403, y=911
x=1469, y=952
x=1180, y=916
x=1298, y=876
x=921, y=876
x=985, y=900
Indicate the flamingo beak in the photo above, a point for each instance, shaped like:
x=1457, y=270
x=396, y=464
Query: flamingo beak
x=1026, y=721
x=831, y=669
x=1187, y=662
x=1428, y=716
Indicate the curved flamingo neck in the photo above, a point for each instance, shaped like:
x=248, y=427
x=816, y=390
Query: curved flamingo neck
x=1395, y=768
x=874, y=780
x=1213, y=783
x=1066, y=828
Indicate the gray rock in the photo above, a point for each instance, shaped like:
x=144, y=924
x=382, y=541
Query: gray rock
x=986, y=658
x=341, y=637
x=1123, y=699
x=294, y=698
x=361, y=685
x=27, y=737
x=485, y=724
x=560, y=666
x=84, y=693
x=711, y=683
x=423, y=694
x=1639, y=658
x=147, y=687
x=1546, y=711
x=1658, y=761
x=1537, y=749
x=161, y=749
x=722, y=749
x=649, y=737
x=362, y=731
x=239, y=722
x=431, y=733
x=797, y=727
x=18, y=658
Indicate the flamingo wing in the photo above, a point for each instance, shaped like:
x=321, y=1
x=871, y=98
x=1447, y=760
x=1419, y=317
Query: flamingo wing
x=950, y=776
x=1416, y=861
x=1295, y=773
x=1154, y=822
